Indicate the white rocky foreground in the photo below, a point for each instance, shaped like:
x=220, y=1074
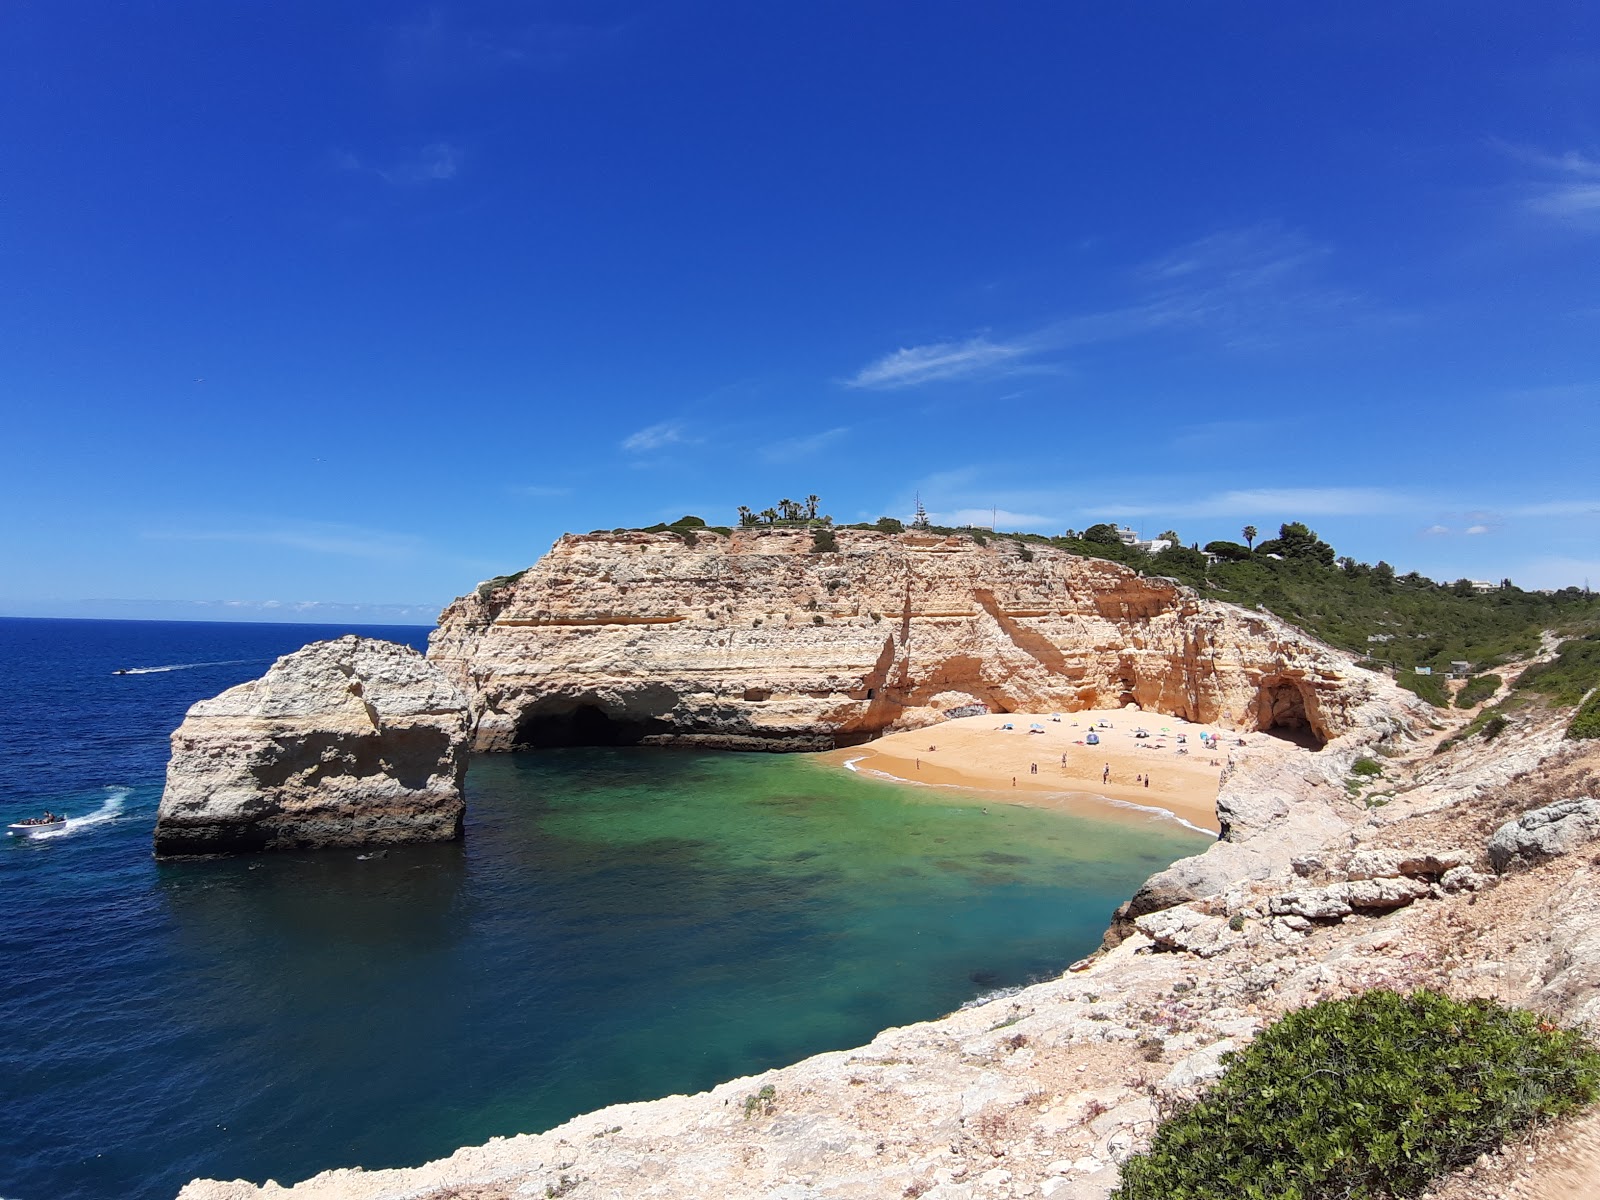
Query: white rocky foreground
x=1044, y=1092
x=343, y=743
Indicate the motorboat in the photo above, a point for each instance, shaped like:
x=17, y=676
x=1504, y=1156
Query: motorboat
x=35, y=825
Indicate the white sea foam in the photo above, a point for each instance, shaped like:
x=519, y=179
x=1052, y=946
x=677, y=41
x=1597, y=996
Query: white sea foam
x=226, y=662
x=1165, y=813
x=109, y=810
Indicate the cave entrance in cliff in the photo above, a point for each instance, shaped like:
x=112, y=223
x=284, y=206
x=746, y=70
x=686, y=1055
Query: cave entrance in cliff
x=580, y=725
x=1281, y=711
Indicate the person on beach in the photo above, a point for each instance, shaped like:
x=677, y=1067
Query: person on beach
x=1033, y=768
x=1147, y=781
x=1105, y=775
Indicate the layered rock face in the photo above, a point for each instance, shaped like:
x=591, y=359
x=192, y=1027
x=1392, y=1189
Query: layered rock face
x=754, y=641
x=351, y=742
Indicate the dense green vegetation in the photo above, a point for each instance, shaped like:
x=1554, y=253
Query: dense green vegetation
x=1586, y=722
x=1429, y=687
x=1478, y=689
x=1571, y=673
x=1369, y=1097
x=1396, y=621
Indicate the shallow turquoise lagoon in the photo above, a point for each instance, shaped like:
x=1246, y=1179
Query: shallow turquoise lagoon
x=617, y=925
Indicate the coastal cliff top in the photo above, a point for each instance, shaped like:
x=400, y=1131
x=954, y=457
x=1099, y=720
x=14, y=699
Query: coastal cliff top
x=389, y=680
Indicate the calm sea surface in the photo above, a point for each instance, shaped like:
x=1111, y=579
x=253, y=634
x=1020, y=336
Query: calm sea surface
x=617, y=925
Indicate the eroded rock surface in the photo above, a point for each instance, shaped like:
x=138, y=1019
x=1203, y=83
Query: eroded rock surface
x=1545, y=833
x=754, y=641
x=349, y=742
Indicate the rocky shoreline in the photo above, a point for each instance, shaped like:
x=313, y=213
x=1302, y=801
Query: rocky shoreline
x=1044, y=1091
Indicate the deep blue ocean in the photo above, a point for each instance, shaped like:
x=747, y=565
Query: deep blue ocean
x=616, y=925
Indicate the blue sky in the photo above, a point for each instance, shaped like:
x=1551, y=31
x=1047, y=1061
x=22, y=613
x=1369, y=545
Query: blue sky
x=313, y=305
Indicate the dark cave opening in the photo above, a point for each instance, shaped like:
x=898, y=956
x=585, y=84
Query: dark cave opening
x=583, y=725
x=1281, y=712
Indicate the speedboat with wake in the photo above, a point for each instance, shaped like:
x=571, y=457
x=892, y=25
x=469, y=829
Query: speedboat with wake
x=35, y=825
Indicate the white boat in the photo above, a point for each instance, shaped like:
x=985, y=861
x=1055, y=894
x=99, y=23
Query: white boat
x=35, y=825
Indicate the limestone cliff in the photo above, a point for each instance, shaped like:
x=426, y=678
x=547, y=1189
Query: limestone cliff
x=754, y=641
x=343, y=743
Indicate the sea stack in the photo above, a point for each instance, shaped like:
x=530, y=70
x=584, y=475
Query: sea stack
x=350, y=742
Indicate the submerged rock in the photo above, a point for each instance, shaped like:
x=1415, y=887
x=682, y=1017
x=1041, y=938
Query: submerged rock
x=351, y=742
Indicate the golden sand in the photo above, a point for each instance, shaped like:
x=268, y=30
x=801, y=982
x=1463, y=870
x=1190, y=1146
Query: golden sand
x=1054, y=767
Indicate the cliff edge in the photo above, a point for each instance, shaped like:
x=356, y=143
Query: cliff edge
x=755, y=641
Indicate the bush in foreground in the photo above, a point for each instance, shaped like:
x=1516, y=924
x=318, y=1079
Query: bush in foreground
x=1365, y=1098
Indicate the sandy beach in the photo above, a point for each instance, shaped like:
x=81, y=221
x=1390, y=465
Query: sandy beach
x=1053, y=766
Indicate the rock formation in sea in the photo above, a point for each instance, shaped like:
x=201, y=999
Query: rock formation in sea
x=350, y=742
x=755, y=641
x=1475, y=875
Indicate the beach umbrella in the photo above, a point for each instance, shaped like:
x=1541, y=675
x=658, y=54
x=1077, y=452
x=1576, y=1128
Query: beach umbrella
x=1037, y=726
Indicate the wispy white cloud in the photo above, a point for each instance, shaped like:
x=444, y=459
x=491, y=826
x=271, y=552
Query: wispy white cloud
x=1297, y=502
x=430, y=164
x=655, y=437
x=803, y=447
x=1244, y=287
x=1556, y=508
x=913, y=365
x=318, y=538
x=1566, y=191
x=439, y=50
x=1436, y=531
x=1474, y=530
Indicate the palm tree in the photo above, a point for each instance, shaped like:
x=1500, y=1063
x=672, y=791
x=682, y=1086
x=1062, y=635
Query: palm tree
x=1250, y=532
x=746, y=517
x=786, y=507
x=811, y=505
x=769, y=515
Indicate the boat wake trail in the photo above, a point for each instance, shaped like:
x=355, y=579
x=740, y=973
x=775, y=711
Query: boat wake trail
x=227, y=662
x=110, y=810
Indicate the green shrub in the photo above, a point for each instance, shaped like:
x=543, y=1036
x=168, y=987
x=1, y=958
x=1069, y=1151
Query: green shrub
x=1586, y=721
x=889, y=525
x=1493, y=727
x=1477, y=690
x=1429, y=687
x=762, y=1102
x=499, y=581
x=823, y=540
x=1366, y=767
x=1572, y=672
x=1365, y=1098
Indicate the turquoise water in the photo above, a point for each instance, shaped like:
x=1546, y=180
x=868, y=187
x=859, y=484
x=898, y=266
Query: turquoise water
x=617, y=925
